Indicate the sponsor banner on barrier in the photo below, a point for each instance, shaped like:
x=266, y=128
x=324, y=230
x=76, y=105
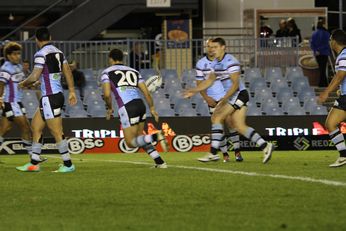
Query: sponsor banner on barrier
x=178, y=143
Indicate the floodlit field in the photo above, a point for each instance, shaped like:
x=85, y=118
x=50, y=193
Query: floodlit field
x=294, y=191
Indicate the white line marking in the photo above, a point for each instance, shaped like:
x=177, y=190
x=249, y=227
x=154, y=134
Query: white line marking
x=297, y=178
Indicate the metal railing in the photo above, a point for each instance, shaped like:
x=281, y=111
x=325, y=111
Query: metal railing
x=251, y=52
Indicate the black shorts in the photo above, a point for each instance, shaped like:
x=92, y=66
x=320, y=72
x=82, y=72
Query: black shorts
x=12, y=110
x=51, y=105
x=239, y=99
x=132, y=113
x=340, y=103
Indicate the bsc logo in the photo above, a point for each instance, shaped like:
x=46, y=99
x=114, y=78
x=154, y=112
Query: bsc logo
x=78, y=146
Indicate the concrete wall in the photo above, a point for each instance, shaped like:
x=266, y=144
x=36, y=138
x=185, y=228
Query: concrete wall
x=229, y=13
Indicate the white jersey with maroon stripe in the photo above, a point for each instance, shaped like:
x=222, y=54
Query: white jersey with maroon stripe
x=50, y=59
x=11, y=74
x=124, y=82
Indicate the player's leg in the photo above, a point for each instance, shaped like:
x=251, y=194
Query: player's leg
x=217, y=131
x=234, y=137
x=239, y=121
x=223, y=144
x=23, y=123
x=56, y=129
x=5, y=121
x=5, y=126
x=150, y=149
x=335, y=117
x=37, y=126
x=132, y=114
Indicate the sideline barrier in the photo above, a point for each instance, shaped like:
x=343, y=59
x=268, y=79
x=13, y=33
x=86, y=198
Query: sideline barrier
x=190, y=135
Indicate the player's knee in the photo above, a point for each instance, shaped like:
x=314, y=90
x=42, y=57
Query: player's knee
x=129, y=143
x=331, y=126
x=215, y=118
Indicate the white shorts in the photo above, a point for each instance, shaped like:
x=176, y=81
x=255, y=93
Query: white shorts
x=14, y=109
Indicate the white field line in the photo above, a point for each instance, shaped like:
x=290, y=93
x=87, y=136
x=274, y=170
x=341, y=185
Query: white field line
x=296, y=178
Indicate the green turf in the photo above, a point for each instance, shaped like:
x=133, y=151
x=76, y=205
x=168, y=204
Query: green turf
x=103, y=195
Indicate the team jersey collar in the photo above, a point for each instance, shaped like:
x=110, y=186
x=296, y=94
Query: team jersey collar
x=224, y=55
x=208, y=58
x=342, y=50
x=47, y=44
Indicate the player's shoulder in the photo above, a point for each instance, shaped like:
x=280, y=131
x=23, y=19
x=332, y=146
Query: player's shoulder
x=7, y=67
x=230, y=58
x=201, y=63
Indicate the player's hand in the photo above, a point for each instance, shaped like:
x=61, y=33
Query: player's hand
x=154, y=114
x=109, y=114
x=2, y=104
x=222, y=102
x=72, y=99
x=338, y=92
x=210, y=101
x=37, y=83
x=323, y=97
x=21, y=85
x=189, y=93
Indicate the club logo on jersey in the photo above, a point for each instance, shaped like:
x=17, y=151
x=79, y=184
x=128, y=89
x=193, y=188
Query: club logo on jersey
x=56, y=76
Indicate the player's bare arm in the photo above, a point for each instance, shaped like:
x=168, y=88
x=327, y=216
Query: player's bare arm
x=235, y=86
x=336, y=81
x=201, y=87
x=210, y=101
x=2, y=87
x=108, y=99
x=149, y=100
x=69, y=79
x=33, y=77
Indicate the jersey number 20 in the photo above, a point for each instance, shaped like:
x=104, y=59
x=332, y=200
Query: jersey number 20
x=127, y=78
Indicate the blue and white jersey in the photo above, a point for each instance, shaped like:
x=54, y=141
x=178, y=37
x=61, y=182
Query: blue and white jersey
x=340, y=65
x=203, y=69
x=224, y=68
x=124, y=82
x=11, y=75
x=51, y=60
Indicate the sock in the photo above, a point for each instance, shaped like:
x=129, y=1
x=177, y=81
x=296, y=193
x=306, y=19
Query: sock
x=141, y=141
x=223, y=146
x=150, y=149
x=1, y=140
x=235, y=139
x=252, y=135
x=28, y=146
x=65, y=155
x=36, y=152
x=338, y=139
x=216, y=137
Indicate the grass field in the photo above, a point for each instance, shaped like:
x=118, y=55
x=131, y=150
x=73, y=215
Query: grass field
x=294, y=191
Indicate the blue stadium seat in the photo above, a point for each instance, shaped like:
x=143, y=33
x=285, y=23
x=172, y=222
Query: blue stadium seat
x=290, y=102
x=257, y=83
x=319, y=110
x=251, y=74
x=284, y=94
x=273, y=72
x=306, y=92
x=273, y=110
x=254, y=111
x=278, y=83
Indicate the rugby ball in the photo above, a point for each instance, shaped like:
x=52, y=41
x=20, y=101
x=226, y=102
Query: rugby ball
x=153, y=83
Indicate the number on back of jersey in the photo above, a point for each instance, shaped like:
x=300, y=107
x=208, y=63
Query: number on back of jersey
x=124, y=78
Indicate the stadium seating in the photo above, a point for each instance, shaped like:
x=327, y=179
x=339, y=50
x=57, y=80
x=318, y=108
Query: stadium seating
x=274, y=94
